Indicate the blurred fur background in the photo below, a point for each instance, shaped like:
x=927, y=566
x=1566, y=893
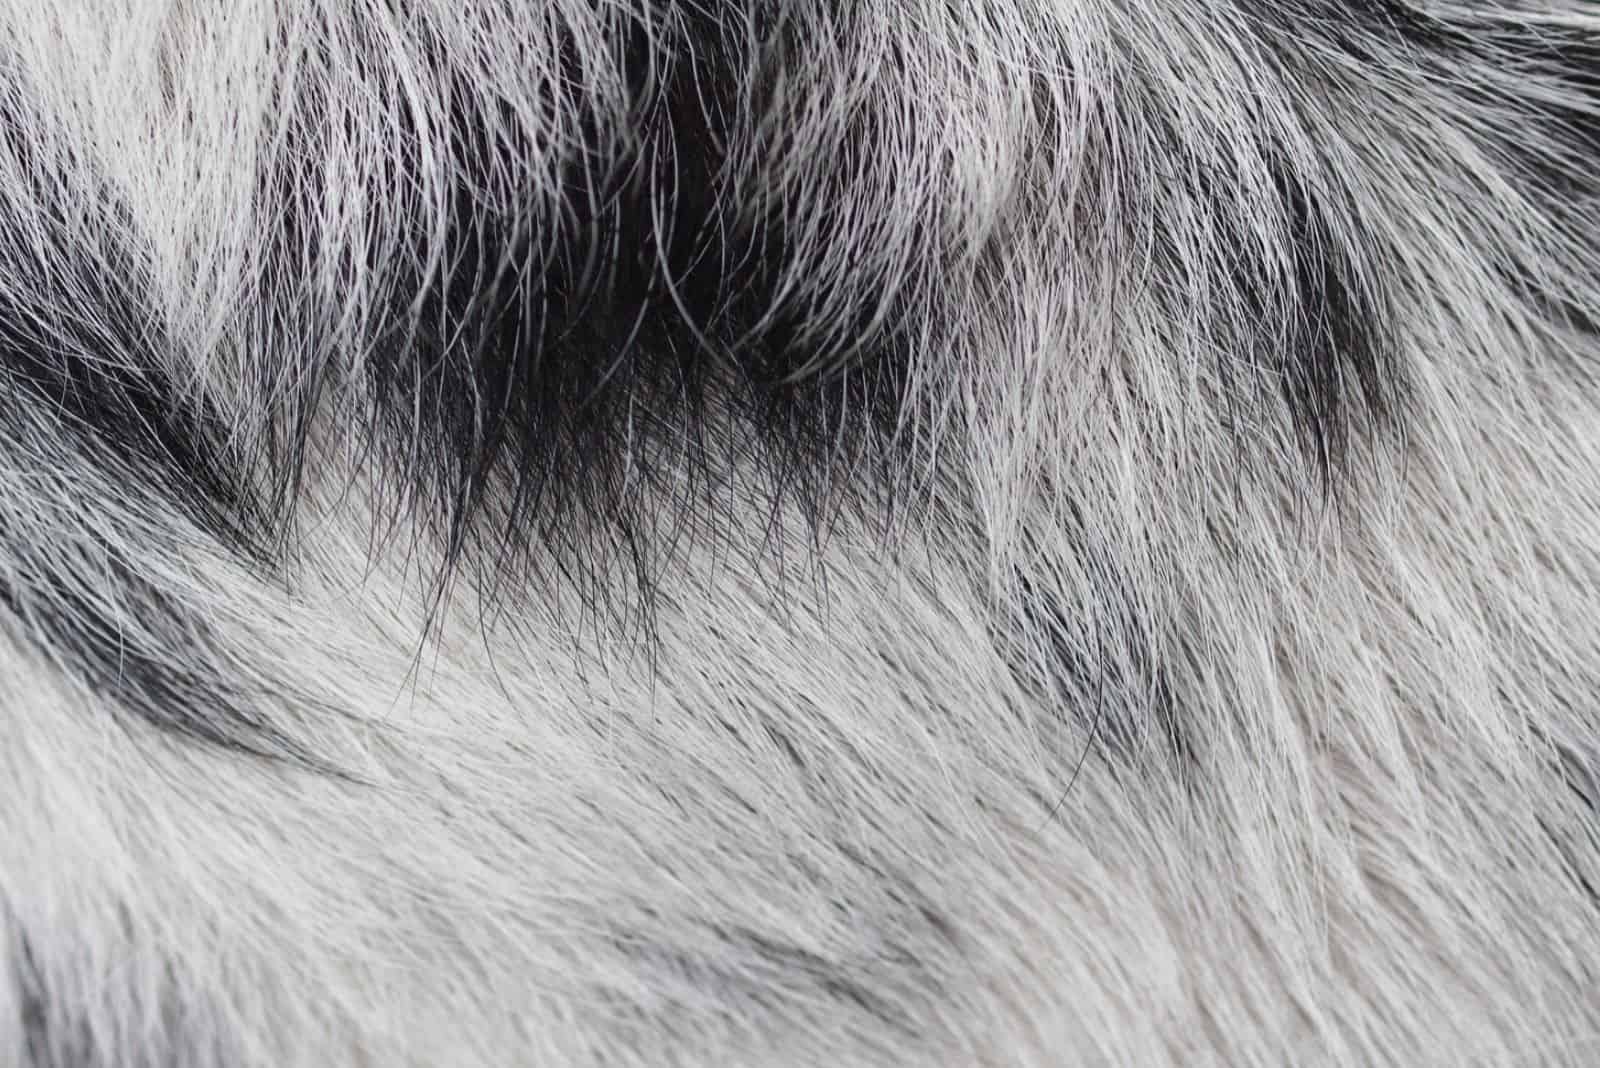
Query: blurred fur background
x=790, y=532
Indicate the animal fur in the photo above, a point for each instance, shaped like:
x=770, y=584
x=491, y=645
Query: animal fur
x=777, y=532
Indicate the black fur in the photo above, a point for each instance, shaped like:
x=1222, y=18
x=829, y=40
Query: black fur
x=545, y=391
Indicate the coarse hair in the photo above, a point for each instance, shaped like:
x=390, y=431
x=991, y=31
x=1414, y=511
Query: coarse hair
x=786, y=532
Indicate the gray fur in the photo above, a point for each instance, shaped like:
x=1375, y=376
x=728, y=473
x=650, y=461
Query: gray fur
x=1197, y=664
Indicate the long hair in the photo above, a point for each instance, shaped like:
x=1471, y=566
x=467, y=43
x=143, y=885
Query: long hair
x=777, y=532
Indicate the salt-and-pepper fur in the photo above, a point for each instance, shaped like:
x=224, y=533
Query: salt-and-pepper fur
x=784, y=532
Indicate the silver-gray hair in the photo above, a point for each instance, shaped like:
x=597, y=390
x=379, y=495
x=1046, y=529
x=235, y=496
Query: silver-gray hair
x=786, y=532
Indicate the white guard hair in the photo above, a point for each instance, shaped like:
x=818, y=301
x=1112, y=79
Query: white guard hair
x=786, y=532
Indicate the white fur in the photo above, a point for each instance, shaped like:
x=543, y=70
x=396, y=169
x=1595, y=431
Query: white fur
x=556, y=842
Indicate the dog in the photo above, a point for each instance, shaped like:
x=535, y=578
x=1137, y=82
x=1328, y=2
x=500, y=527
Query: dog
x=788, y=532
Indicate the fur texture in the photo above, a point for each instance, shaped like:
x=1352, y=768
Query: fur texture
x=565, y=532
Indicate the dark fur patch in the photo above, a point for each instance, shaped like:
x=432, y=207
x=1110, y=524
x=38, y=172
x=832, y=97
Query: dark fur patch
x=53, y=1036
x=1093, y=670
x=135, y=643
x=1308, y=333
x=37, y=1044
x=564, y=394
x=1107, y=681
x=1339, y=370
x=80, y=341
x=1531, y=105
x=1550, y=78
x=81, y=391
